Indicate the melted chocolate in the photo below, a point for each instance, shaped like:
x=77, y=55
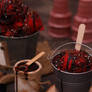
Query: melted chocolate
x=23, y=67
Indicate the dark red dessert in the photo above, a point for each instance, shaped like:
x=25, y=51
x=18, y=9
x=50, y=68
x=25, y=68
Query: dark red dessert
x=16, y=19
x=73, y=61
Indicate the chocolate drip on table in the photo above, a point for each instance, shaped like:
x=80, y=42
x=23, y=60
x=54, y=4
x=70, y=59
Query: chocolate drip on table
x=25, y=68
x=16, y=82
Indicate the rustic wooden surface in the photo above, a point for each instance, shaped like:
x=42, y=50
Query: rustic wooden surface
x=44, y=46
x=90, y=89
x=52, y=89
x=4, y=58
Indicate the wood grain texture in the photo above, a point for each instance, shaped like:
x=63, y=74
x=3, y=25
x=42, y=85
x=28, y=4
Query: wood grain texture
x=44, y=46
x=90, y=89
x=4, y=58
x=52, y=89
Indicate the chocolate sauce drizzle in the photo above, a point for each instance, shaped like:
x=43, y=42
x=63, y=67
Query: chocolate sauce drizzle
x=16, y=82
x=25, y=68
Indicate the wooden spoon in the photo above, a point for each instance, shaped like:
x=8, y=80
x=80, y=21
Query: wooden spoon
x=80, y=36
x=35, y=58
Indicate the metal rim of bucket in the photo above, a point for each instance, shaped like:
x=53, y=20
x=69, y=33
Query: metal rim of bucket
x=52, y=55
x=33, y=72
x=16, y=38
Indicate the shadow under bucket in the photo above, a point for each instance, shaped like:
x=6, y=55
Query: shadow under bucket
x=68, y=81
x=3, y=87
x=20, y=48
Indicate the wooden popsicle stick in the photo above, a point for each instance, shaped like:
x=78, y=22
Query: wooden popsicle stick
x=35, y=58
x=80, y=36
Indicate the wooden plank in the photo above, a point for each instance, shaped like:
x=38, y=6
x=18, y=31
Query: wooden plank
x=52, y=89
x=44, y=46
x=4, y=58
x=90, y=89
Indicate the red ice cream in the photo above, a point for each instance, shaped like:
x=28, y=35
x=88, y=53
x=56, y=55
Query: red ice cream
x=73, y=61
x=17, y=19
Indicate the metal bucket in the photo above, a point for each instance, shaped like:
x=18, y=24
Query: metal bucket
x=72, y=82
x=20, y=48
